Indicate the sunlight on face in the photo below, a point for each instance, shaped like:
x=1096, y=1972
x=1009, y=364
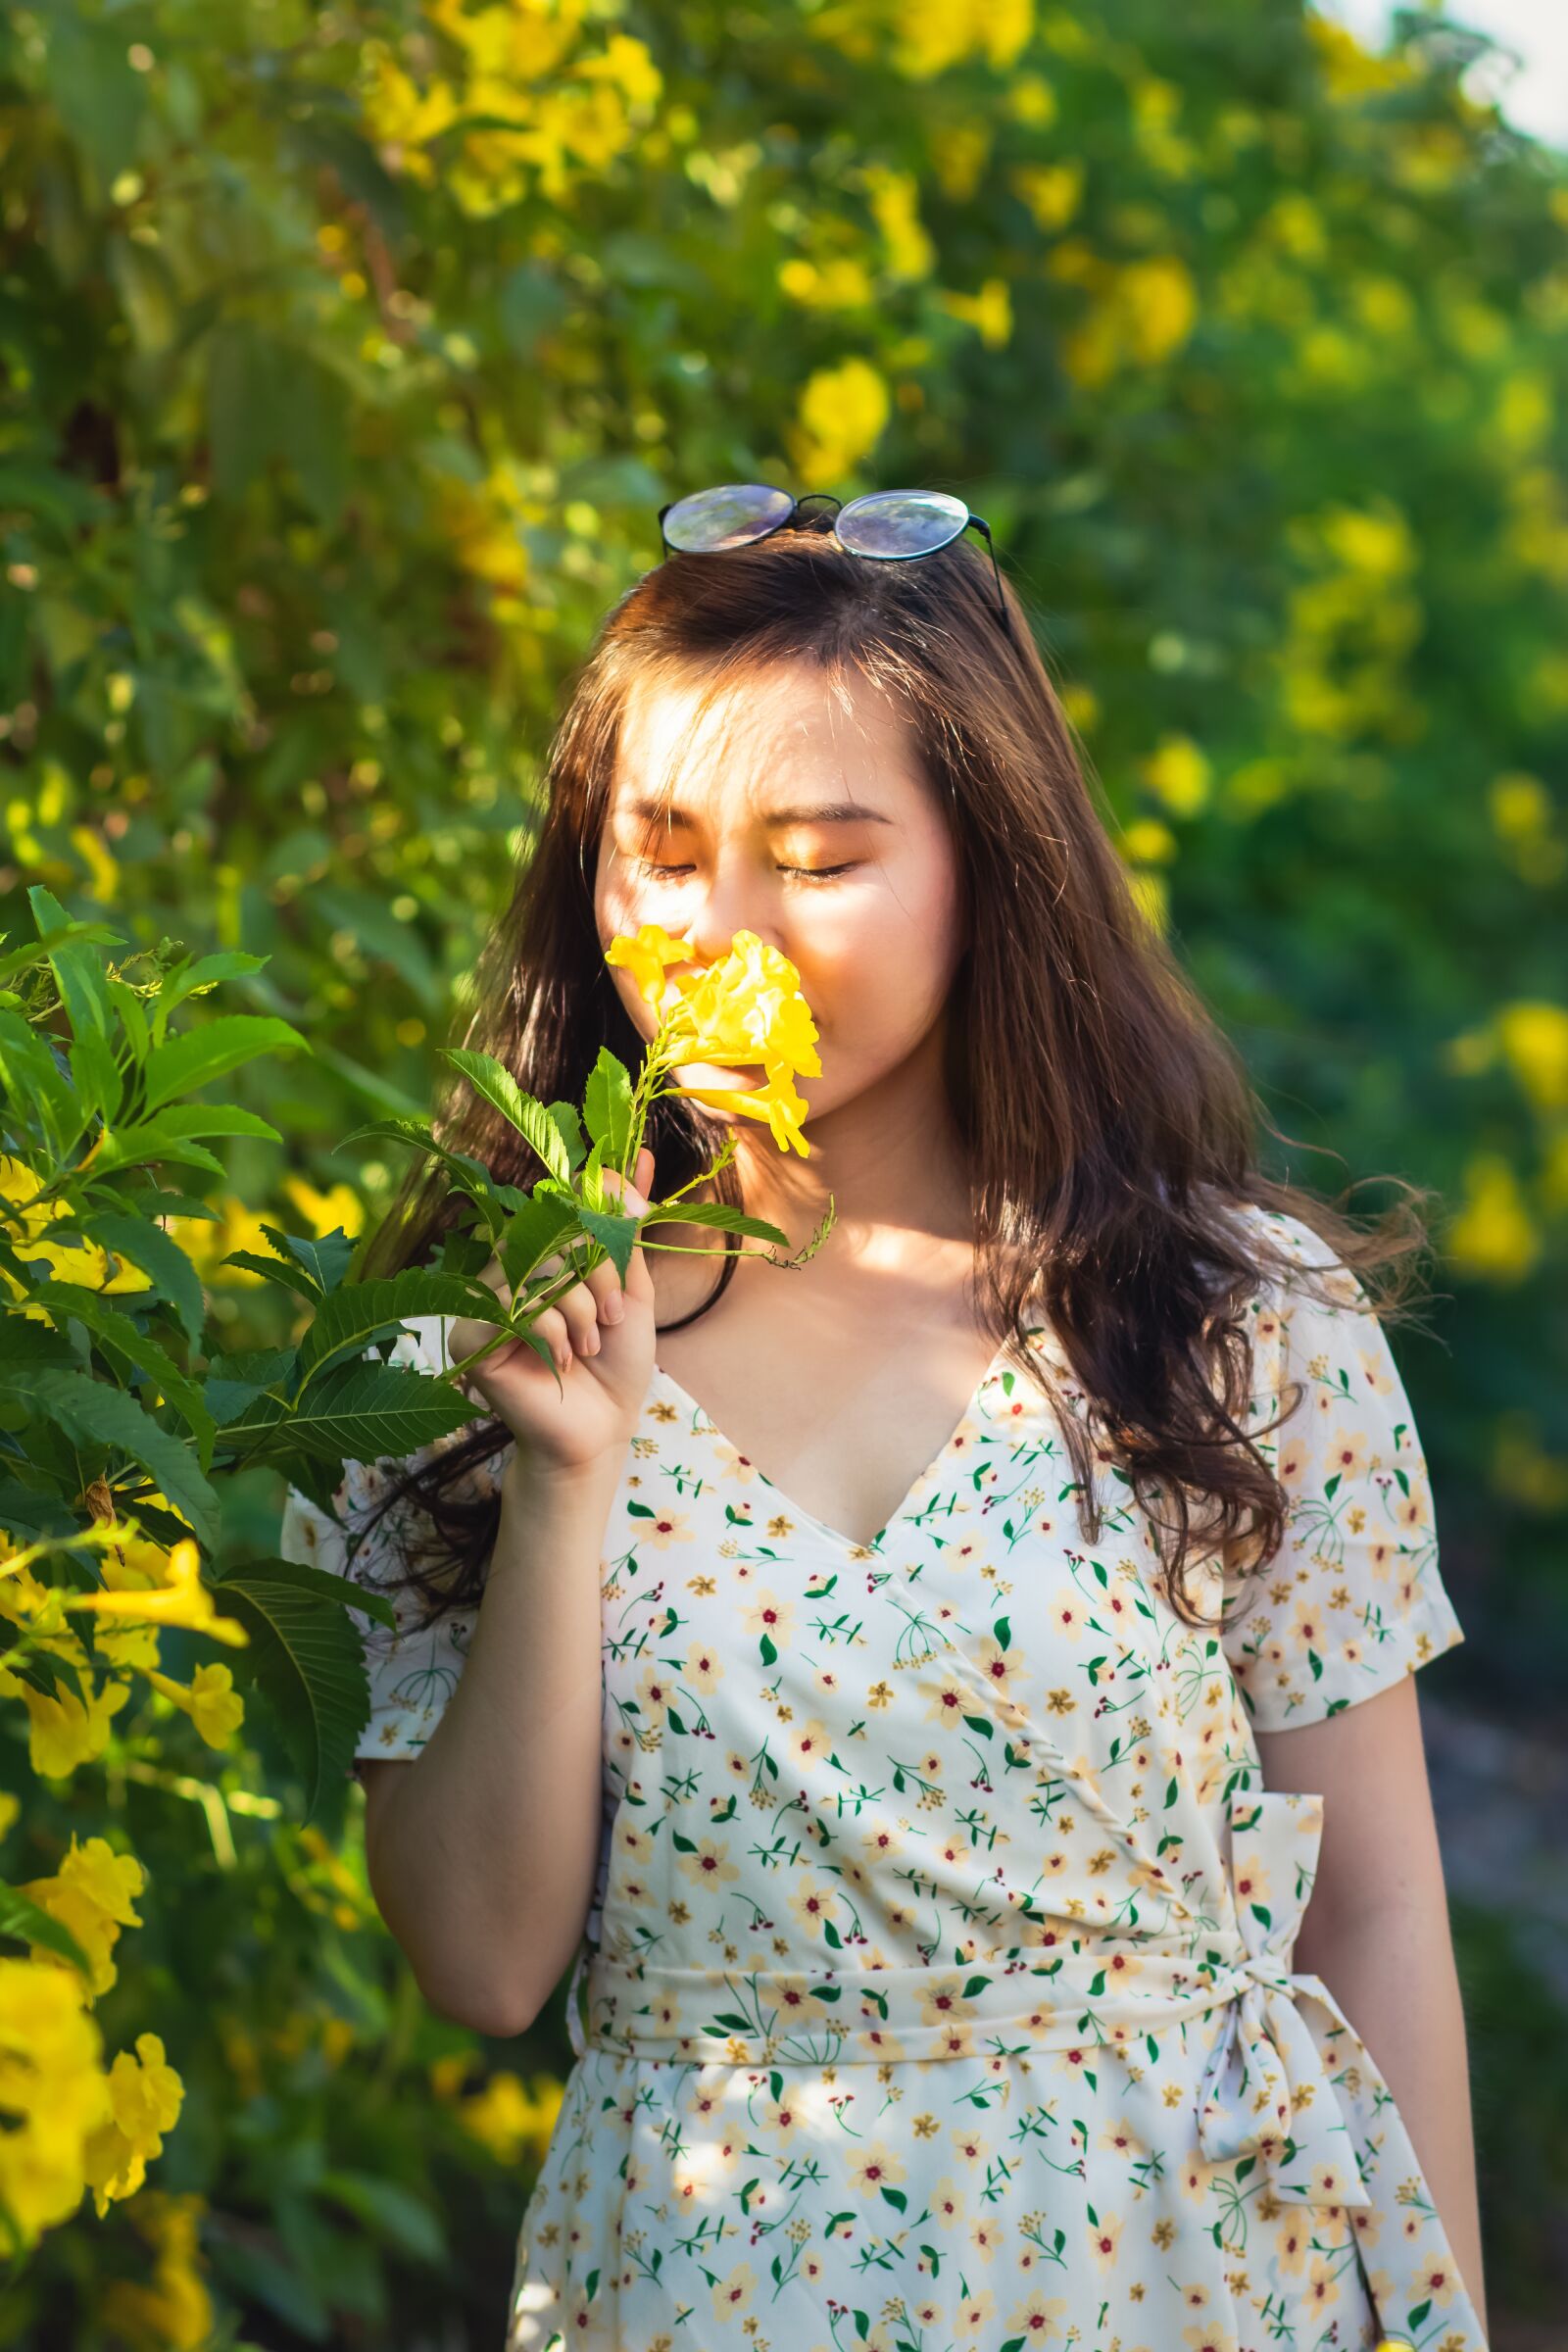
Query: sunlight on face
x=788, y=813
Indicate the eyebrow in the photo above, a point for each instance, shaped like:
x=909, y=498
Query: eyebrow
x=816, y=812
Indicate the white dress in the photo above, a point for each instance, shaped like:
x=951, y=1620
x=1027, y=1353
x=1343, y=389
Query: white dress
x=937, y=1991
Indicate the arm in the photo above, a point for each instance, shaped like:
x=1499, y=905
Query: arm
x=481, y=1849
x=1376, y=1930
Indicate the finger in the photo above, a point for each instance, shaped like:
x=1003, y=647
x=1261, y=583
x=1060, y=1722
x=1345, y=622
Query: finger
x=579, y=1307
x=639, y=1282
x=551, y=1326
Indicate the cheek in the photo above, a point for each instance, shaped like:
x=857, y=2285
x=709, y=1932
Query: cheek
x=882, y=964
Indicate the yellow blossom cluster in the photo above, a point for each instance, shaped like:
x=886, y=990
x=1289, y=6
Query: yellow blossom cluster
x=1140, y=312
x=746, y=1007
x=513, y=2119
x=921, y=39
x=841, y=411
x=145, y=1585
x=39, y=1229
x=173, y=2309
x=1351, y=623
x=69, y=2123
x=520, y=103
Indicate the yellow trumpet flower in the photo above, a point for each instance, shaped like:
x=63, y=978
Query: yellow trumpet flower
x=747, y=1007
x=184, y=1600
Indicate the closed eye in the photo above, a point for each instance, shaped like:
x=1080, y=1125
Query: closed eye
x=652, y=871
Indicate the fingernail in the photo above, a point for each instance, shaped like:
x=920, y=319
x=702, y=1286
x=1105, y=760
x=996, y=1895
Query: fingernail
x=612, y=1311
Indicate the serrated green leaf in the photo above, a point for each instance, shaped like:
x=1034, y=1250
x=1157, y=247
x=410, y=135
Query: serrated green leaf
x=489, y=1078
x=325, y=1257
x=112, y=1327
x=362, y=1411
x=606, y=1108
x=718, y=1214
x=182, y=1064
x=77, y=968
x=344, y=1590
x=144, y=1140
x=307, y=1658
x=95, y=1414
x=193, y=978
x=362, y=1311
x=100, y=1087
x=541, y=1225
x=147, y=1247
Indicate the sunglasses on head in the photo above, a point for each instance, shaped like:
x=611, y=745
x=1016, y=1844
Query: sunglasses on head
x=891, y=526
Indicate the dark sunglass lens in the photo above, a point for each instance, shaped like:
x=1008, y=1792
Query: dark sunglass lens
x=726, y=517
x=900, y=522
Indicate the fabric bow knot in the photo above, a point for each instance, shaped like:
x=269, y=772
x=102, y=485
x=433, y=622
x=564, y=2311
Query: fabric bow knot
x=1265, y=2089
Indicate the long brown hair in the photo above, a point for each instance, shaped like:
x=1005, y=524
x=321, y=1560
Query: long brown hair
x=1108, y=1124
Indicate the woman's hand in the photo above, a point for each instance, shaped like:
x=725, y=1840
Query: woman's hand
x=602, y=1338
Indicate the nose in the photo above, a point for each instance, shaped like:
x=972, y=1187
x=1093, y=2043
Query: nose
x=726, y=906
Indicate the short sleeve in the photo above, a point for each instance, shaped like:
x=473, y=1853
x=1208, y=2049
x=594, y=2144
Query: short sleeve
x=413, y=1671
x=1353, y=1599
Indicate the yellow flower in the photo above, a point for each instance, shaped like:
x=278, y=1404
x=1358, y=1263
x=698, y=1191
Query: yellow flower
x=1142, y=313
x=510, y=2120
x=206, y=1242
x=1052, y=191
x=84, y=1262
x=91, y=1894
x=340, y=1208
x=645, y=954
x=1178, y=772
x=775, y=1101
x=175, y=2309
x=842, y=413
x=1492, y=1235
x=990, y=311
x=1533, y=1034
x=53, y=2092
x=184, y=1600
x=1148, y=840
x=65, y=1731
x=145, y=2100
x=746, y=1007
x=895, y=199
x=209, y=1698
x=840, y=283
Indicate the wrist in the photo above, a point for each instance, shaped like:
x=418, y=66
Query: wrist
x=538, y=1484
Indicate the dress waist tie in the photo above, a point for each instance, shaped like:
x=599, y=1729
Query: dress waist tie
x=1287, y=2084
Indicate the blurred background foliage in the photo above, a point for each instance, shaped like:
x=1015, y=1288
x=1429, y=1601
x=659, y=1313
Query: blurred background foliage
x=346, y=354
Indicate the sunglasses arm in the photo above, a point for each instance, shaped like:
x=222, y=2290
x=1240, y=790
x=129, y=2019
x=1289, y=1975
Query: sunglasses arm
x=984, y=528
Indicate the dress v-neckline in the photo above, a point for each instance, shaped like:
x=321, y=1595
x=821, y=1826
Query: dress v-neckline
x=992, y=1372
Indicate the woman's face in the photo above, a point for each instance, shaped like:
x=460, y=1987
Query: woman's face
x=810, y=823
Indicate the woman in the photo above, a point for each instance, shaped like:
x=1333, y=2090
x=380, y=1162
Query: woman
x=925, y=1699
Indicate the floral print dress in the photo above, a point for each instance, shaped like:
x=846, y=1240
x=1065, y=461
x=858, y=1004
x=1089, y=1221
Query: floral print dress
x=937, y=1991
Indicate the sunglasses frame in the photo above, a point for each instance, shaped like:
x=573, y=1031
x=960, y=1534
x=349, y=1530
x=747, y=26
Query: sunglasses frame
x=838, y=505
